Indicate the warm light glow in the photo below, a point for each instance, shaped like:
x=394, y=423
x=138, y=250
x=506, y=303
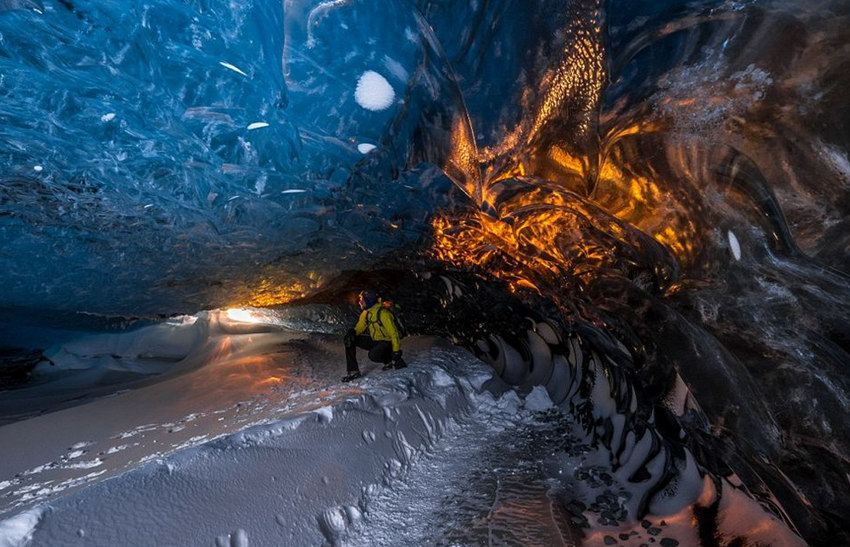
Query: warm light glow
x=642, y=202
x=578, y=78
x=277, y=288
x=462, y=165
x=244, y=316
x=270, y=380
x=556, y=207
x=548, y=234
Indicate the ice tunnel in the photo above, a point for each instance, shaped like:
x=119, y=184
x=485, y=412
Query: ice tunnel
x=617, y=232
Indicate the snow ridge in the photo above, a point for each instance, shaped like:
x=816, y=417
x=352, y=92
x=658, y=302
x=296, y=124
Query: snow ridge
x=304, y=480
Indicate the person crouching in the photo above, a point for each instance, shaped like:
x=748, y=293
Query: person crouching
x=375, y=331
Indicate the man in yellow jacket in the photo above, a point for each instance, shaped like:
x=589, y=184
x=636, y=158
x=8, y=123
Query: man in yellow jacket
x=375, y=331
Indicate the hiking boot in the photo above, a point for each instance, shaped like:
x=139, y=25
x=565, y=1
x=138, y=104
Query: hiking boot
x=399, y=363
x=351, y=376
x=388, y=366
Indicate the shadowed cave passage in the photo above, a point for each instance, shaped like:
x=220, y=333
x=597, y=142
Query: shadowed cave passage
x=641, y=206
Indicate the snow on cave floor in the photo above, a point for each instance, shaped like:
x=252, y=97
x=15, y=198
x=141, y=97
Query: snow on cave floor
x=250, y=439
x=482, y=486
x=256, y=442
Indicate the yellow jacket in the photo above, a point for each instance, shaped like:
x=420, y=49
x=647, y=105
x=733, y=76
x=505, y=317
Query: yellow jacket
x=381, y=325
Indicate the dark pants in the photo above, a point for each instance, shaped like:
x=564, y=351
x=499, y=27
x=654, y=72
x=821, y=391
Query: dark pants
x=379, y=352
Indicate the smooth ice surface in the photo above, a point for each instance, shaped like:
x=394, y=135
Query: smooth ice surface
x=734, y=245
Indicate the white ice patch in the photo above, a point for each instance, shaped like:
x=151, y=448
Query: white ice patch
x=233, y=68
x=365, y=147
x=259, y=434
x=509, y=402
x=326, y=414
x=374, y=92
x=116, y=449
x=257, y=125
x=333, y=522
x=478, y=379
x=159, y=345
x=441, y=378
x=538, y=400
x=107, y=117
x=38, y=168
x=18, y=530
x=97, y=462
x=239, y=538
x=410, y=35
x=734, y=246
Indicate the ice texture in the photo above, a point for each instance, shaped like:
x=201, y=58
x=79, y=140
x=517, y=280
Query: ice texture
x=163, y=157
x=198, y=140
x=18, y=530
x=374, y=92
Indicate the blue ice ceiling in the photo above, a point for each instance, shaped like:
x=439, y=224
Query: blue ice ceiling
x=168, y=156
x=162, y=156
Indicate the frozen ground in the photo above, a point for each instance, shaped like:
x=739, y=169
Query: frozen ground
x=248, y=438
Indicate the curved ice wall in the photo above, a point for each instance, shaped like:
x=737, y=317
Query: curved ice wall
x=168, y=156
x=676, y=173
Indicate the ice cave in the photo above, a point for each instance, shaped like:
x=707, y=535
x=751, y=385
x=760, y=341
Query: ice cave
x=614, y=238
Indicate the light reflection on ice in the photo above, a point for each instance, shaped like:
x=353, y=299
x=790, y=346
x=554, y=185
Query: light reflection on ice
x=233, y=68
x=246, y=316
x=734, y=245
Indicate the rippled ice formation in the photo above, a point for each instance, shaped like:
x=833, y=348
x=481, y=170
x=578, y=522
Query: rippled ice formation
x=193, y=151
x=670, y=177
